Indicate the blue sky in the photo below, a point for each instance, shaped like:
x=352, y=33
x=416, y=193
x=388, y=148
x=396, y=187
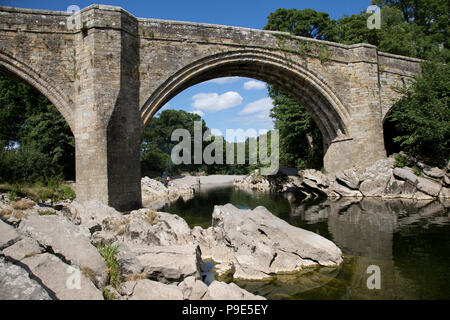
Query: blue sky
x=229, y=103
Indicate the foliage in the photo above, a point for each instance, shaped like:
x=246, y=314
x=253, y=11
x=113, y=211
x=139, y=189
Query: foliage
x=422, y=118
x=409, y=27
x=36, y=142
x=109, y=253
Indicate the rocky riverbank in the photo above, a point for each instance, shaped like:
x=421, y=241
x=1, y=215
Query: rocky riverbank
x=56, y=254
x=387, y=179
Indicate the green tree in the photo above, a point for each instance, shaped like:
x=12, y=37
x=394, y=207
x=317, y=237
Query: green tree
x=422, y=117
x=36, y=142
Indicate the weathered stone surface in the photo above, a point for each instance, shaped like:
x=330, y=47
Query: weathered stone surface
x=15, y=284
x=193, y=289
x=447, y=180
x=170, y=263
x=67, y=240
x=91, y=213
x=399, y=189
x=147, y=227
x=344, y=191
x=129, y=264
x=150, y=290
x=157, y=55
x=445, y=193
x=23, y=249
x=318, y=177
x=260, y=244
x=425, y=185
x=433, y=172
x=8, y=235
x=61, y=278
x=349, y=178
x=228, y=292
x=253, y=182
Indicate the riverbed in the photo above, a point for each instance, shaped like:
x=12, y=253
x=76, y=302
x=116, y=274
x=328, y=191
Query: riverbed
x=408, y=240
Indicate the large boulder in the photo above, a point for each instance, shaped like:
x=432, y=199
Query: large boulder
x=66, y=282
x=15, y=284
x=193, y=289
x=25, y=248
x=375, y=178
x=8, y=235
x=146, y=227
x=150, y=290
x=345, y=192
x=349, y=178
x=91, y=214
x=70, y=242
x=259, y=244
x=427, y=186
x=170, y=263
x=228, y=292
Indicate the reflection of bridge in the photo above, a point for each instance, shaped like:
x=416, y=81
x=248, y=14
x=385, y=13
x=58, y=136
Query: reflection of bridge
x=111, y=73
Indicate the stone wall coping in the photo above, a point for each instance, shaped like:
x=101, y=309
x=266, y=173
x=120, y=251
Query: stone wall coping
x=396, y=56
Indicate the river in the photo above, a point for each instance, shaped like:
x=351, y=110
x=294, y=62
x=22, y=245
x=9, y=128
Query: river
x=408, y=240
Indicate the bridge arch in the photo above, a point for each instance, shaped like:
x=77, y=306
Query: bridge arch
x=330, y=114
x=14, y=68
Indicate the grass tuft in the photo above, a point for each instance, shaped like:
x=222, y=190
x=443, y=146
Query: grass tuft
x=109, y=253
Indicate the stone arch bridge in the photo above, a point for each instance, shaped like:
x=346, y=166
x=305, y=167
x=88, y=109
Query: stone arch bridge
x=109, y=72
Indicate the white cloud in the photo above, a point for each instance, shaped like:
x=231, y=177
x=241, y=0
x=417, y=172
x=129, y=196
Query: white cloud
x=254, y=85
x=198, y=112
x=226, y=80
x=214, y=102
x=261, y=108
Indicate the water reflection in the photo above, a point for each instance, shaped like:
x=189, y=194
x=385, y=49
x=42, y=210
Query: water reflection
x=408, y=240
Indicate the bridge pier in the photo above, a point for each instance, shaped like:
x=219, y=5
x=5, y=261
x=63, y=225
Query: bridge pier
x=108, y=125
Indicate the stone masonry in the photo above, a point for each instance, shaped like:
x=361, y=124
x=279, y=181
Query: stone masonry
x=109, y=73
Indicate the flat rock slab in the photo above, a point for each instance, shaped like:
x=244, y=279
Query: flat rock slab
x=150, y=290
x=66, y=282
x=67, y=240
x=425, y=185
x=8, y=235
x=23, y=249
x=224, y=291
x=193, y=289
x=171, y=263
x=15, y=284
x=260, y=244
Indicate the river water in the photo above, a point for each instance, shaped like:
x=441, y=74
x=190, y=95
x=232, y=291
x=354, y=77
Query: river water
x=408, y=240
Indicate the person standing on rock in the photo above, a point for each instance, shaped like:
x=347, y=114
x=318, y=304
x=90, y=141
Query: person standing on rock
x=167, y=181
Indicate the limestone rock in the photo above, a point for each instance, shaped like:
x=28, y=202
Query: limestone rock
x=349, y=178
x=344, y=191
x=371, y=188
x=129, y=264
x=399, y=189
x=260, y=244
x=23, y=249
x=253, y=182
x=193, y=289
x=146, y=227
x=170, y=263
x=91, y=214
x=318, y=177
x=228, y=292
x=433, y=172
x=425, y=185
x=66, y=240
x=447, y=180
x=8, y=235
x=152, y=189
x=62, y=279
x=15, y=284
x=150, y=290
x=445, y=193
